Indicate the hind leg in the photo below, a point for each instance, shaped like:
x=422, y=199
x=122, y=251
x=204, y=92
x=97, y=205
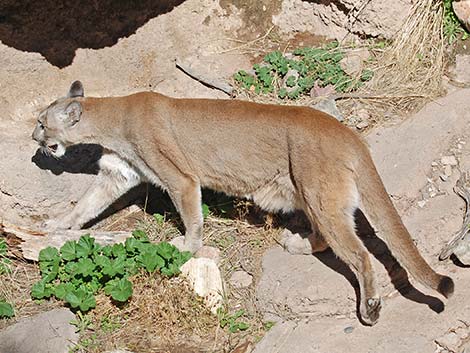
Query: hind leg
x=331, y=211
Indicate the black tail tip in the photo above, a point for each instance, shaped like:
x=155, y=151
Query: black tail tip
x=446, y=286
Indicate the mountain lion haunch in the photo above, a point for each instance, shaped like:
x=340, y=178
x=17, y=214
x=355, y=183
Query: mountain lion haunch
x=281, y=157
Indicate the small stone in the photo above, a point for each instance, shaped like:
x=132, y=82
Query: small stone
x=134, y=209
x=205, y=279
x=353, y=62
x=241, y=279
x=449, y=160
x=329, y=106
x=421, y=203
x=348, y=329
x=209, y=252
x=443, y=177
x=448, y=170
x=362, y=125
x=291, y=73
x=434, y=164
x=363, y=114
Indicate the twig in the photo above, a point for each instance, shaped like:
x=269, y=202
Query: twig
x=248, y=43
x=457, y=244
x=207, y=81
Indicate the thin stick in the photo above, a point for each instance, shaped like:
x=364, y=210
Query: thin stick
x=462, y=188
x=207, y=81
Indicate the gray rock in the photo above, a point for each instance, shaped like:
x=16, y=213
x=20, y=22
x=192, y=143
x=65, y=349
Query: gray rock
x=329, y=106
x=462, y=10
x=300, y=286
x=362, y=125
x=241, y=279
x=449, y=160
x=49, y=332
x=461, y=70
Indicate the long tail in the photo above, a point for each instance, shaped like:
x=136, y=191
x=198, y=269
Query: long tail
x=385, y=219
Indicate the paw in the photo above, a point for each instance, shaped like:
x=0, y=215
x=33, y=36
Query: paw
x=295, y=244
x=370, y=310
x=184, y=245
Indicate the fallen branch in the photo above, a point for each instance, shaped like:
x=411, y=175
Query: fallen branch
x=459, y=245
x=204, y=79
x=34, y=241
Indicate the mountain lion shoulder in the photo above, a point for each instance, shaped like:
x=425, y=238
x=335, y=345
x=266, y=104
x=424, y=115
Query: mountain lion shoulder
x=282, y=157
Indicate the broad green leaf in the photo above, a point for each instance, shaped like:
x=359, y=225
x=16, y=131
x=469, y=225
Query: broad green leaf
x=150, y=261
x=107, y=250
x=82, y=299
x=205, y=210
x=119, y=250
x=180, y=258
x=115, y=267
x=160, y=219
x=49, y=254
x=166, y=250
x=85, y=267
x=122, y=290
x=61, y=290
x=132, y=246
x=41, y=290
x=68, y=250
x=85, y=246
x=50, y=273
x=131, y=266
x=171, y=270
x=6, y=309
x=71, y=268
x=102, y=261
x=140, y=235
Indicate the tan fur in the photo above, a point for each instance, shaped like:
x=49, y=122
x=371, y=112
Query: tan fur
x=282, y=157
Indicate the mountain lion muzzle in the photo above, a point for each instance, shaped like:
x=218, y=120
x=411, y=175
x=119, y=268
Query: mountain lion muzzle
x=282, y=157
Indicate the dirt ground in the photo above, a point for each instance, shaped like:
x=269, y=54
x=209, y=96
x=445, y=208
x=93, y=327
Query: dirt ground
x=311, y=298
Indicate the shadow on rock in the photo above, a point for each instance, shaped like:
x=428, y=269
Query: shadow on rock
x=397, y=273
x=56, y=29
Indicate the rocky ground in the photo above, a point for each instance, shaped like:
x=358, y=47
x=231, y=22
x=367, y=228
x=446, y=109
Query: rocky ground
x=312, y=298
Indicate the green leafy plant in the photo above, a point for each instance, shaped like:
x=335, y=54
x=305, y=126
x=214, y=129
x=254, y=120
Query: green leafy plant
x=6, y=309
x=4, y=261
x=80, y=269
x=231, y=321
x=452, y=26
x=318, y=65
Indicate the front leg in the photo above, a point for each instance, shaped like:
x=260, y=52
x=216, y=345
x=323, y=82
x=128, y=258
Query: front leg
x=187, y=199
x=115, y=178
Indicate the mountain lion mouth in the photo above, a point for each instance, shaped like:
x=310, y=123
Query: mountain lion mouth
x=53, y=148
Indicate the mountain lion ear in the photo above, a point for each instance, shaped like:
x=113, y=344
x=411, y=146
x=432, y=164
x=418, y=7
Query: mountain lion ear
x=76, y=90
x=73, y=112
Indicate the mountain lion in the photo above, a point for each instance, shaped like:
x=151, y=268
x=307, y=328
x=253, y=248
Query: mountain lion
x=282, y=157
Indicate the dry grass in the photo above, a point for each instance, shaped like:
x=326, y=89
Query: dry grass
x=15, y=288
x=164, y=315
x=408, y=73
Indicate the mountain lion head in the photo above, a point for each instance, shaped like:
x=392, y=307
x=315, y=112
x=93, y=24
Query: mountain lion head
x=56, y=123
